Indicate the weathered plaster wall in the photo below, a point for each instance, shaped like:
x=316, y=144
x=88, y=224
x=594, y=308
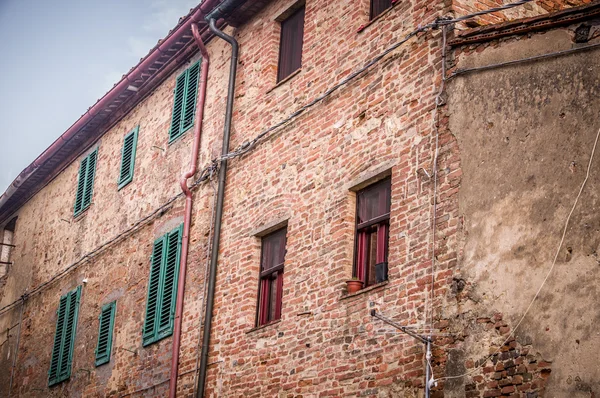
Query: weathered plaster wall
x=525, y=134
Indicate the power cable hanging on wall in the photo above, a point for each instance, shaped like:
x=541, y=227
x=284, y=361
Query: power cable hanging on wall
x=537, y=293
x=249, y=145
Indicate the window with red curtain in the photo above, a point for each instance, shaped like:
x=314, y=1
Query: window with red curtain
x=372, y=232
x=271, y=277
x=379, y=6
x=290, y=45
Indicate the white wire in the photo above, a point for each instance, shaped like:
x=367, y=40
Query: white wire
x=562, y=239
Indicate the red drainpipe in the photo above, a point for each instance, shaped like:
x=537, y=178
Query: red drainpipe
x=188, y=214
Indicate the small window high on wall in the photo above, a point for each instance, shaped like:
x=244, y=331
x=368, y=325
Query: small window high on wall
x=290, y=45
x=7, y=245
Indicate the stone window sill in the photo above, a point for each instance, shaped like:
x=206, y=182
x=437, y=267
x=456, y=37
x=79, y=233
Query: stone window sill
x=378, y=17
x=284, y=81
x=365, y=290
x=265, y=326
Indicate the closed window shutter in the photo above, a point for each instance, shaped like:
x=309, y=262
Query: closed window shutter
x=169, y=283
x=178, y=101
x=64, y=339
x=190, y=97
x=162, y=288
x=105, y=332
x=80, y=186
x=152, y=301
x=290, y=45
x=58, y=339
x=128, y=158
x=89, y=179
x=85, y=182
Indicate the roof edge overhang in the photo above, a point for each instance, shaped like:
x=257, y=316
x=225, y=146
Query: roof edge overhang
x=133, y=87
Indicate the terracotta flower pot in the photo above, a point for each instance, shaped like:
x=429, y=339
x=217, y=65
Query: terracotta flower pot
x=354, y=285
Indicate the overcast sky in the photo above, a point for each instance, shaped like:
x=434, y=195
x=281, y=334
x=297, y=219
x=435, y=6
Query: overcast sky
x=59, y=57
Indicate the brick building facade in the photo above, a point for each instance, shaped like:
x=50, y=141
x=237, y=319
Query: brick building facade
x=344, y=187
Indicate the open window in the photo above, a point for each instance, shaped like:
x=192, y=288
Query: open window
x=271, y=277
x=7, y=245
x=372, y=232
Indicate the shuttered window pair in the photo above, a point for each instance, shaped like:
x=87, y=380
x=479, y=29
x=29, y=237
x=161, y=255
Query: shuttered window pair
x=64, y=337
x=105, y=333
x=162, y=287
x=128, y=157
x=85, y=182
x=184, y=104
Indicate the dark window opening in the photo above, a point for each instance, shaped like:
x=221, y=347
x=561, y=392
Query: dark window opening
x=6, y=245
x=379, y=6
x=372, y=233
x=271, y=277
x=290, y=45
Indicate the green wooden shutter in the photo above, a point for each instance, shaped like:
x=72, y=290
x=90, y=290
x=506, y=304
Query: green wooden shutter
x=169, y=283
x=152, y=301
x=58, y=338
x=191, y=91
x=128, y=158
x=80, y=186
x=178, y=101
x=64, y=339
x=105, y=333
x=162, y=287
x=85, y=182
x=89, y=179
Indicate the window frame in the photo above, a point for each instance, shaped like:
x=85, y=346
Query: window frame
x=63, y=370
x=180, y=118
x=363, y=231
x=293, y=12
x=85, y=183
x=264, y=308
x=104, y=357
x=125, y=179
x=152, y=331
x=372, y=15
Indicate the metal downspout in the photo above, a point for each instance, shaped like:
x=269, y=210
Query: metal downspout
x=188, y=213
x=219, y=210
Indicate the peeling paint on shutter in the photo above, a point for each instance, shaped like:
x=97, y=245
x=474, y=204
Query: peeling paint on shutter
x=105, y=333
x=128, y=158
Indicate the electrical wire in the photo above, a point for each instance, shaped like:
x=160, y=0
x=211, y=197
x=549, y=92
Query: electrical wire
x=535, y=297
x=248, y=145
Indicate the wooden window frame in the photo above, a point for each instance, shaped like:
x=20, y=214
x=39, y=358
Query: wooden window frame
x=162, y=287
x=128, y=158
x=61, y=359
x=378, y=7
x=285, y=65
x=106, y=325
x=185, y=96
x=267, y=310
x=85, y=182
x=375, y=228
